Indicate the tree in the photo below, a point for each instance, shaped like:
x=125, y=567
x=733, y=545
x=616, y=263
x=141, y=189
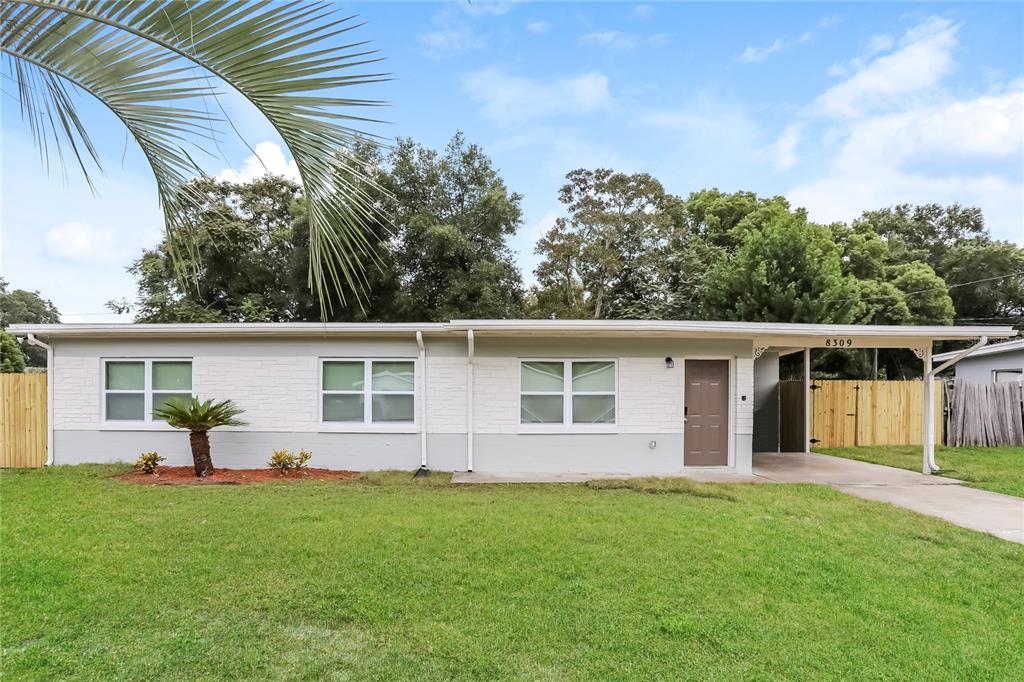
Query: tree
x=155, y=64
x=199, y=417
x=999, y=298
x=925, y=233
x=611, y=246
x=790, y=271
x=445, y=256
x=11, y=359
x=452, y=214
x=26, y=307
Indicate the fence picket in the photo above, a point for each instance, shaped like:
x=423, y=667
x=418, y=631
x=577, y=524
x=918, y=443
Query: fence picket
x=23, y=420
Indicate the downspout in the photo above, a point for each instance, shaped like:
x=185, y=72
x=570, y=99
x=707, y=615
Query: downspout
x=469, y=399
x=33, y=341
x=929, y=466
x=422, y=365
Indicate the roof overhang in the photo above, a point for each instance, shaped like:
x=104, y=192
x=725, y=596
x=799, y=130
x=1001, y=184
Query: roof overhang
x=994, y=349
x=763, y=334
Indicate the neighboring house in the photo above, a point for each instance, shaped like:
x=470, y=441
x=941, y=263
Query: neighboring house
x=486, y=395
x=991, y=364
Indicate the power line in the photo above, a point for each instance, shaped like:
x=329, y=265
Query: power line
x=930, y=289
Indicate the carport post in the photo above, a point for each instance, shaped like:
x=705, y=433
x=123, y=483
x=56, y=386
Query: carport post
x=807, y=399
x=929, y=412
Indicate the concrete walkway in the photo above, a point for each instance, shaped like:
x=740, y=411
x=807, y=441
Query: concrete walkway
x=988, y=512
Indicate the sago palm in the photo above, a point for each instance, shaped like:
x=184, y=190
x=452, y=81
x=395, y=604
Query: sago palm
x=158, y=65
x=198, y=417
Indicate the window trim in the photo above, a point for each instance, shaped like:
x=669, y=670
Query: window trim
x=367, y=425
x=566, y=425
x=147, y=423
x=1008, y=370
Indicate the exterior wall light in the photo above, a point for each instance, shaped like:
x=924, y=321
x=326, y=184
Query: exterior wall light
x=669, y=363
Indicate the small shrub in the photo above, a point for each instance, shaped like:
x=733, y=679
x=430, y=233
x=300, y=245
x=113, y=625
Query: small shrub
x=148, y=462
x=284, y=461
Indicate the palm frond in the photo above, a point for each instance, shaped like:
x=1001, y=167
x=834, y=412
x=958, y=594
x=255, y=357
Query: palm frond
x=144, y=60
x=198, y=416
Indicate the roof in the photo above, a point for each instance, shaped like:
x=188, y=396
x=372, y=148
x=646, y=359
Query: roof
x=765, y=333
x=994, y=349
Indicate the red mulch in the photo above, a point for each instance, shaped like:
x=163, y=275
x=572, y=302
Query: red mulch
x=187, y=476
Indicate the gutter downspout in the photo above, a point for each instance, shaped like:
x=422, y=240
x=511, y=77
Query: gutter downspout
x=929, y=466
x=33, y=341
x=422, y=366
x=469, y=399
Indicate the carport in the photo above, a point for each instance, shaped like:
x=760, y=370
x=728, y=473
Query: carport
x=804, y=338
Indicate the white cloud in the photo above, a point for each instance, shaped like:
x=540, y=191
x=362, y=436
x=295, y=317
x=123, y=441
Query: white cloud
x=784, y=150
x=492, y=8
x=623, y=41
x=83, y=243
x=269, y=158
x=511, y=100
x=882, y=161
x=641, y=12
x=538, y=27
x=924, y=57
x=752, y=53
x=453, y=38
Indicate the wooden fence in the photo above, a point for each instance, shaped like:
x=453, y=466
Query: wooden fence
x=848, y=413
x=984, y=414
x=22, y=420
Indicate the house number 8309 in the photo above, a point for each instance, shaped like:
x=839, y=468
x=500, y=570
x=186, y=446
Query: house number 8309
x=838, y=343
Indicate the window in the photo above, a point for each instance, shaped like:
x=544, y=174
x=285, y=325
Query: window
x=368, y=391
x=1007, y=375
x=577, y=392
x=133, y=388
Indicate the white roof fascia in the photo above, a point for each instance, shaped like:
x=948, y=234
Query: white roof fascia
x=994, y=349
x=761, y=333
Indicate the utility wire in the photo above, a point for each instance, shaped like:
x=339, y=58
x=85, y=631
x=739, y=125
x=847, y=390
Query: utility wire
x=930, y=289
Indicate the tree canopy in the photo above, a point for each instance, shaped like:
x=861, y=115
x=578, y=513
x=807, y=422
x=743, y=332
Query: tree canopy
x=26, y=307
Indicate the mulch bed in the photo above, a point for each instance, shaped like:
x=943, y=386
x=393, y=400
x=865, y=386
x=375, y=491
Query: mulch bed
x=187, y=476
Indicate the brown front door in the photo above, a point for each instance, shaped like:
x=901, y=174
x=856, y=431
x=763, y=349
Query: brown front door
x=706, y=436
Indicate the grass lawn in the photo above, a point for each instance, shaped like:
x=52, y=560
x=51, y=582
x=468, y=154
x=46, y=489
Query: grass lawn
x=997, y=469
x=389, y=577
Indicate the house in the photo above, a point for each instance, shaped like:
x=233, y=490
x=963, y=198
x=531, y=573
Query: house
x=486, y=395
x=992, y=364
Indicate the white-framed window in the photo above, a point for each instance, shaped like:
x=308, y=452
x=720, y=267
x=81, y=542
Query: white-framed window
x=567, y=392
x=133, y=387
x=362, y=391
x=1007, y=375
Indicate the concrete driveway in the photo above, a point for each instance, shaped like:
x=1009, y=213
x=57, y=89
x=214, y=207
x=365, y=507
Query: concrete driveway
x=1000, y=515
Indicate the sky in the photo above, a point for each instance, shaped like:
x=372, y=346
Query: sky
x=841, y=108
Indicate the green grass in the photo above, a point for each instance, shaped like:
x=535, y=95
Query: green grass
x=390, y=577
x=998, y=469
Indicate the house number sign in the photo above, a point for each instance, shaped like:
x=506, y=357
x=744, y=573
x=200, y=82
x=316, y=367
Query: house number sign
x=839, y=342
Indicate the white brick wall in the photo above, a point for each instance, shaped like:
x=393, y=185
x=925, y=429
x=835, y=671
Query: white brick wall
x=278, y=393
x=495, y=395
x=446, y=394
x=650, y=396
x=76, y=392
x=744, y=387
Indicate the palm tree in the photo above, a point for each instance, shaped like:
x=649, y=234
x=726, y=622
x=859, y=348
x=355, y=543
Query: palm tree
x=199, y=417
x=157, y=65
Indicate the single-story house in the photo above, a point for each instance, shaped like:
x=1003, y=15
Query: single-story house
x=992, y=364
x=485, y=395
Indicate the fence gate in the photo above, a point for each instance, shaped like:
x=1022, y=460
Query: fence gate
x=848, y=413
x=22, y=420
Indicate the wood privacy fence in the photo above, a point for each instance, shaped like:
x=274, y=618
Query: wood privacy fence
x=984, y=414
x=22, y=420
x=847, y=413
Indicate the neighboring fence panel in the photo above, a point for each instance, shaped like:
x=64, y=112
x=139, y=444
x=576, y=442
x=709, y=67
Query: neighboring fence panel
x=22, y=420
x=847, y=413
x=984, y=414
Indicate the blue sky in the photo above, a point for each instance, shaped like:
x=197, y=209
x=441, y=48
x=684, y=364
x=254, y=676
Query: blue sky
x=840, y=107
